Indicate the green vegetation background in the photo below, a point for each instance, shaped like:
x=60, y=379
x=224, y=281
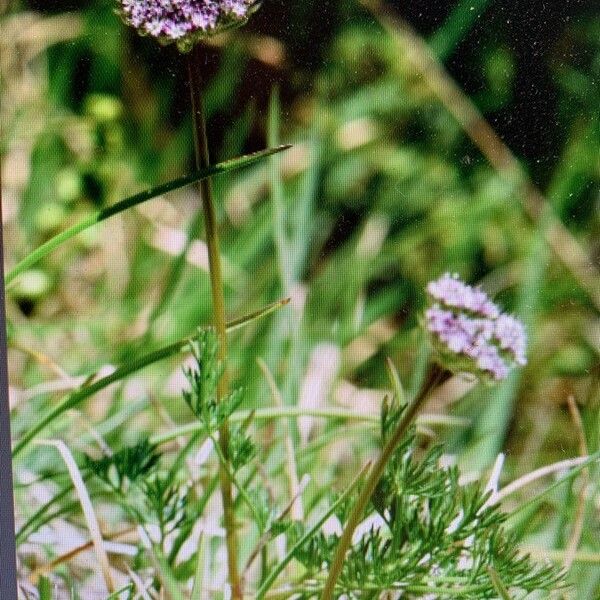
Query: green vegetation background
x=382, y=191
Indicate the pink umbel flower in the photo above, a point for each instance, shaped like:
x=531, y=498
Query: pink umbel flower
x=452, y=292
x=470, y=332
x=185, y=21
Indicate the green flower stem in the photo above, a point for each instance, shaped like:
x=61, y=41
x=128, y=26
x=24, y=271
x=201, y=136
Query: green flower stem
x=293, y=412
x=276, y=571
x=101, y=215
x=195, y=59
x=78, y=396
x=367, y=491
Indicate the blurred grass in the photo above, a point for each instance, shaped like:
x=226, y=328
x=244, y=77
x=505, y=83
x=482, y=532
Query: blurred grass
x=381, y=192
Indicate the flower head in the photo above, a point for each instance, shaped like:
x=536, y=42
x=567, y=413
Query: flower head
x=471, y=332
x=185, y=21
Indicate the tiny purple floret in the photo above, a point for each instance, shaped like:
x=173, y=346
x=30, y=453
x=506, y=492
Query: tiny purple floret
x=469, y=329
x=184, y=21
x=452, y=292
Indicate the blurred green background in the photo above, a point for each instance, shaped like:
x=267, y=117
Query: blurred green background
x=394, y=112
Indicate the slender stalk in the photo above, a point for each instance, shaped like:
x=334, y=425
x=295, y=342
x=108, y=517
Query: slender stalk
x=293, y=412
x=371, y=483
x=195, y=59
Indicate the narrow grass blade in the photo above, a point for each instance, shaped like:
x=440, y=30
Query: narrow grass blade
x=294, y=412
x=141, y=587
x=87, y=507
x=493, y=422
x=36, y=520
x=572, y=473
x=124, y=371
x=198, y=586
x=44, y=516
x=255, y=316
x=116, y=595
x=132, y=201
x=498, y=584
x=44, y=589
x=165, y=574
x=395, y=381
x=277, y=197
x=270, y=580
x=297, y=509
x=457, y=26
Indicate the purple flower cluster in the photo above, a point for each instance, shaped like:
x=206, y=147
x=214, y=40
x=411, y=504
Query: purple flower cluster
x=468, y=328
x=184, y=21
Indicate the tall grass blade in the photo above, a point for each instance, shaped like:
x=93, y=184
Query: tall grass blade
x=124, y=371
x=106, y=213
x=270, y=580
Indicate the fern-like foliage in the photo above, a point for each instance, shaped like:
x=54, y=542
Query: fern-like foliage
x=203, y=378
x=129, y=465
x=149, y=496
x=430, y=537
x=202, y=399
x=168, y=503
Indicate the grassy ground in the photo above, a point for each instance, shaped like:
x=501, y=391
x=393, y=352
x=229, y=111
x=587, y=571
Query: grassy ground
x=396, y=175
